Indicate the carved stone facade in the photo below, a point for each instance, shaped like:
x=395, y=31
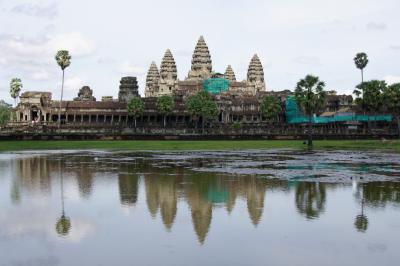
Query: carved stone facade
x=167, y=83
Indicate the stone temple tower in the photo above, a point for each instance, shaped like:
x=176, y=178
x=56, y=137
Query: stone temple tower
x=255, y=75
x=152, y=79
x=168, y=74
x=128, y=89
x=229, y=74
x=201, y=61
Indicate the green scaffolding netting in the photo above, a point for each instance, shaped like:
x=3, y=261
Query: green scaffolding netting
x=215, y=85
x=295, y=115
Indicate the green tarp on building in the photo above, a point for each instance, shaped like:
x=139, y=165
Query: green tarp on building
x=295, y=115
x=215, y=85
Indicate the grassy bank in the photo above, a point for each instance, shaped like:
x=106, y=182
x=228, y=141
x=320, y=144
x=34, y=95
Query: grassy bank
x=199, y=145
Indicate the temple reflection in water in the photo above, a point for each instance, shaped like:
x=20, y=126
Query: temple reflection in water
x=164, y=187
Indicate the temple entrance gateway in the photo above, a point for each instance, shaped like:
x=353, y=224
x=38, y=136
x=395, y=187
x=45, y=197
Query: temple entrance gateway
x=34, y=113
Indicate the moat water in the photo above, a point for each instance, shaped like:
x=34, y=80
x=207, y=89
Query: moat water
x=199, y=208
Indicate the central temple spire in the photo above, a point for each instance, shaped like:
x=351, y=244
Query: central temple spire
x=201, y=61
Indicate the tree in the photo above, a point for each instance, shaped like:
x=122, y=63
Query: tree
x=310, y=97
x=15, y=89
x=194, y=106
x=165, y=105
x=63, y=60
x=370, y=95
x=5, y=113
x=209, y=111
x=135, y=107
x=391, y=99
x=361, y=61
x=202, y=105
x=270, y=107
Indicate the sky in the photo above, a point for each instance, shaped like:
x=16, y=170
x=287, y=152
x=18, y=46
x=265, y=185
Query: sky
x=111, y=39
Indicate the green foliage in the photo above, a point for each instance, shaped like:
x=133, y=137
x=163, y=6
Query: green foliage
x=236, y=125
x=15, y=88
x=136, y=107
x=370, y=95
x=165, y=104
x=270, y=107
x=202, y=105
x=391, y=98
x=63, y=59
x=310, y=95
x=5, y=113
x=361, y=60
x=158, y=145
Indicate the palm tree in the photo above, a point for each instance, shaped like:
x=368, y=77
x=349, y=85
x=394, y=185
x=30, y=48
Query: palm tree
x=135, y=107
x=15, y=89
x=361, y=61
x=165, y=105
x=270, y=107
x=310, y=96
x=63, y=60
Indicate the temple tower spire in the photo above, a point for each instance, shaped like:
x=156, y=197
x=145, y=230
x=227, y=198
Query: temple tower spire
x=201, y=61
x=255, y=74
x=152, y=79
x=168, y=74
x=229, y=74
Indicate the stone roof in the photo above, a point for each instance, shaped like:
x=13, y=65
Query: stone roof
x=255, y=71
x=168, y=67
x=29, y=94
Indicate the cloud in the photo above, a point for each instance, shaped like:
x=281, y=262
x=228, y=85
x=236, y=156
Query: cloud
x=73, y=84
x=392, y=79
x=394, y=47
x=376, y=26
x=76, y=43
x=40, y=75
x=34, y=57
x=41, y=11
x=129, y=69
x=308, y=60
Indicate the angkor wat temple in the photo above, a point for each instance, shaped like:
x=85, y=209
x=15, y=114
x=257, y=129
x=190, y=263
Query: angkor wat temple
x=238, y=103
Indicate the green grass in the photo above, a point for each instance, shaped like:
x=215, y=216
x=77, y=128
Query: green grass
x=199, y=145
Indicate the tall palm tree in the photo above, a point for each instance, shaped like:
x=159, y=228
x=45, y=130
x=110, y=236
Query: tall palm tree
x=310, y=96
x=15, y=89
x=361, y=61
x=63, y=60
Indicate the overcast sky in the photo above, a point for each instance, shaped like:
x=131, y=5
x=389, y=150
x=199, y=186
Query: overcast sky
x=111, y=39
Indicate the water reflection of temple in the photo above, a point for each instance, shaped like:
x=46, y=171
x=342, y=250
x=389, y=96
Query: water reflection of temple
x=164, y=187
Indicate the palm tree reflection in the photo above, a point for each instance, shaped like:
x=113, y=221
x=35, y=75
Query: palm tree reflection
x=63, y=225
x=361, y=221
